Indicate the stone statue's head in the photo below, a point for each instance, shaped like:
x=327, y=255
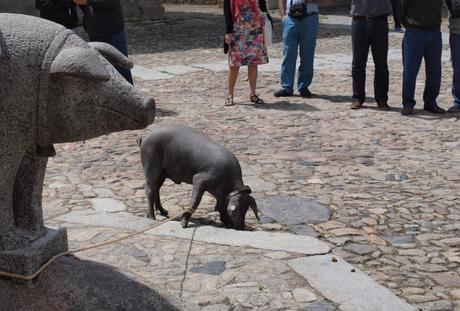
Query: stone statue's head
x=87, y=97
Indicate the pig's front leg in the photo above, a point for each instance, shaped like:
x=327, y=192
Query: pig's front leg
x=199, y=186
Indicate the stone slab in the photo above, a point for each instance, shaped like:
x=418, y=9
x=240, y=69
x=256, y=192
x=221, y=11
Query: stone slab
x=27, y=261
x=255, y=239
x=92, y=218
x=353, y=291
x=178, y=69
x=294, y=210
x=148, y=74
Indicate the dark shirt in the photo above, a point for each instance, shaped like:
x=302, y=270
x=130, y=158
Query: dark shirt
x=229, y=16
x=420, y=14
x=454, y=8
x=63, y=12
x=102, y=18
x=368, y=8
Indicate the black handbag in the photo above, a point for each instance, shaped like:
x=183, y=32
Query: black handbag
x=298, y=10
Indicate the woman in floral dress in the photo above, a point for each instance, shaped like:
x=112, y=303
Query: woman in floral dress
x=245, y=38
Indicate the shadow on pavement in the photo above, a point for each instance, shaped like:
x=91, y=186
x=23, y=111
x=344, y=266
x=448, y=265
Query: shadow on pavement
x=72, y=284
x=282, y=105
x=181, y=31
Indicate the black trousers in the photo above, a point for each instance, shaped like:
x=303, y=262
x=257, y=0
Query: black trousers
x=394, y=3
x=371, y=34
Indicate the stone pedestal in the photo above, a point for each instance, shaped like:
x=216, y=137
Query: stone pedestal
x=28, y=260
x=142, y=9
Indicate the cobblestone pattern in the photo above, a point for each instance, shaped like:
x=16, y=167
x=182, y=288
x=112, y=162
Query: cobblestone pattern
x=392, y=182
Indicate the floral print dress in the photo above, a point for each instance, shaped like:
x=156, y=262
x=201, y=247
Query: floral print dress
x=247, y=45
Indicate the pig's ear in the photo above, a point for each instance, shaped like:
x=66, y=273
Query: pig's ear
x=114, y=56
x=79, y=63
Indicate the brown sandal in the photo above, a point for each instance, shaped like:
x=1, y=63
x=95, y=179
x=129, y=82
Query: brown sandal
x=229, y=101
x=256, y=100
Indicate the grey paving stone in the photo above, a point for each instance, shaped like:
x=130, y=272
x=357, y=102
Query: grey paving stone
x=107, y=205
x=213, y=267
x=294, y=210
x=320, y=306
x=399, y=239
x=360, y=249
x=353, y=291
x=304, y=229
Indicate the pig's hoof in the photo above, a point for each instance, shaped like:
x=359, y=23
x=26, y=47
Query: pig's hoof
x=164, y=213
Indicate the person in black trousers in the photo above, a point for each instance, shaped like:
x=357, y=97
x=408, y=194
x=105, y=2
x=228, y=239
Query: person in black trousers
x=104, y=22
x=369, y=29
x=394, y=4
x=63, y=12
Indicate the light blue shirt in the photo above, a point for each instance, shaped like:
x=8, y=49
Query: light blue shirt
x=312, y=7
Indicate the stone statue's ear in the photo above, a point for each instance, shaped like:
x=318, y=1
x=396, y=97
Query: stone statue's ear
x=114, y=56
x=79, y=63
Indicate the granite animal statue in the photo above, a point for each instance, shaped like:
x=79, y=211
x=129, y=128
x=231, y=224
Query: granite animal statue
x=185, y=155
x=54, y=88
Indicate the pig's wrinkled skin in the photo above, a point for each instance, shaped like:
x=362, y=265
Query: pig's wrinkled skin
x=185, y=155
x=54, y=88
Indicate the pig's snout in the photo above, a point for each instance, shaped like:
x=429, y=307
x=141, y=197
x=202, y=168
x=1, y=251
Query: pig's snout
x=150, y=106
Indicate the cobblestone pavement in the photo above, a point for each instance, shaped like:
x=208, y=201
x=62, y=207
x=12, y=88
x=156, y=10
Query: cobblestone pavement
x=391, y=182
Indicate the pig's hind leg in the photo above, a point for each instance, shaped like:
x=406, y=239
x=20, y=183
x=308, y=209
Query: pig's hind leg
x=158, y=205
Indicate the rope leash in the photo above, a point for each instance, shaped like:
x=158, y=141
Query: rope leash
x=66, y=253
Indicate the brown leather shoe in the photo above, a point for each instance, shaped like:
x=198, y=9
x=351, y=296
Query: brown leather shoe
x=407, y=111
x=434, y=109
x=356, y=104
x=383, y=105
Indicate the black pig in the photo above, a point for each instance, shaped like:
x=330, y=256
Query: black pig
x=185, y=155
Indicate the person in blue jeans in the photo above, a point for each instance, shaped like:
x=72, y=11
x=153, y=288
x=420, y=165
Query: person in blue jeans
x=422, y=40
x=454, y=27
x=104, y=22
x=299, y=34
x=369, y=29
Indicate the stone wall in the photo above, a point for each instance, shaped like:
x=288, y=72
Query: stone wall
x=133, y=9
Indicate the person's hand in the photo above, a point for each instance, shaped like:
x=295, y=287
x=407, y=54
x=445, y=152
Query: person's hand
x=228, y=38
x=81, y=2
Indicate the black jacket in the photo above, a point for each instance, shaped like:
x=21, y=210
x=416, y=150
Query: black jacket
x=420, y=14
x=102, y=18
x=229, y=16
x=454, y=8
x=63, y=12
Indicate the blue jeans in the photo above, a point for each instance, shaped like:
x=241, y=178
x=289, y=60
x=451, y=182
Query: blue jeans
x=118, y=40
x=419, y=44
x=298, y=34
x=373, y=34
x=455, y=56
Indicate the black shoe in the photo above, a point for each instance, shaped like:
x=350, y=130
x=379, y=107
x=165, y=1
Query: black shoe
x=434, y=109
x=282, y=93
x=407, y=111
x=305, y=93
x=383, y=105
